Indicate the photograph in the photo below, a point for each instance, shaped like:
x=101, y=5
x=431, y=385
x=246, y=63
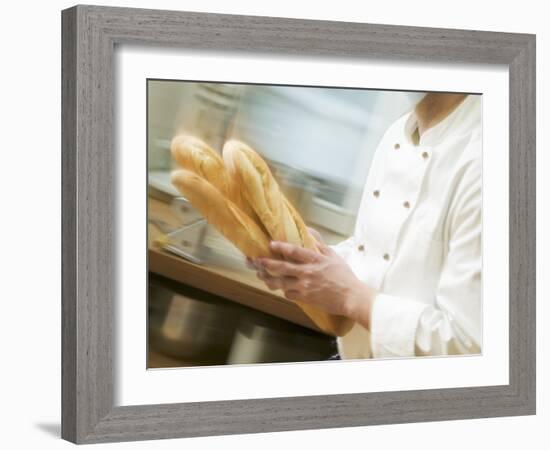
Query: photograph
x=311, y=223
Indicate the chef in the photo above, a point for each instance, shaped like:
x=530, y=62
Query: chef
x=410, y=276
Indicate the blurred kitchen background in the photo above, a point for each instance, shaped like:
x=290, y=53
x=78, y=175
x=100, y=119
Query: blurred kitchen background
x=205, y=306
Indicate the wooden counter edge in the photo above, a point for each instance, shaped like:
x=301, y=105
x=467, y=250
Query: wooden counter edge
x=199, y=277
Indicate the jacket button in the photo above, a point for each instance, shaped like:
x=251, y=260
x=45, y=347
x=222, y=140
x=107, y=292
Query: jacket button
x=361, y=248
x=425, y=155
x=407, y=205
x=397, y=146
x=386, y=257
x=376, y=194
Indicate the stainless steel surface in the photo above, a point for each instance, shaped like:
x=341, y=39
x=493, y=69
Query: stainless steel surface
x=264, y=340
x=184, y=210
x=186, y=241
x=197, y=329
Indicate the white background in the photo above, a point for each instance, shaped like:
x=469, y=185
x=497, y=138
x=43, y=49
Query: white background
x=135, y=386
x=30, y=187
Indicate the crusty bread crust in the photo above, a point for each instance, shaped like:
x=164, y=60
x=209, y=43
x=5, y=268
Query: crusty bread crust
x=194, y=154
x=306, y=239
x=262, y=191
x=222, y=213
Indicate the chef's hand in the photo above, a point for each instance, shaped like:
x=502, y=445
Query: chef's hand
x=323, y=280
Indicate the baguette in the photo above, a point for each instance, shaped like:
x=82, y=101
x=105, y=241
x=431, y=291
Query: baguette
x=307, y=240
x=278, y=215
x=222, y=213
x=260, y=189
x=192, y=153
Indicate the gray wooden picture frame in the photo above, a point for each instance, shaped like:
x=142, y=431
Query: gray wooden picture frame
x=90, y=34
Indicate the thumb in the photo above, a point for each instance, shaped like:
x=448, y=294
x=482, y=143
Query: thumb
x=316, y=235
x=323, y=248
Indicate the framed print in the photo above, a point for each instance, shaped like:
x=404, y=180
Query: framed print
x=278, y=224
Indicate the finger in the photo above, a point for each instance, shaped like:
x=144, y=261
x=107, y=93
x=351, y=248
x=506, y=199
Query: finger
x=293, y=252
x=275, y=283
x=295, y=284
x=316, y=235
x=319, y=242
x=277, y=268
x=272, y=283
x=250, y=264
x=325, y=249
x=292, y=295
x=321, y=245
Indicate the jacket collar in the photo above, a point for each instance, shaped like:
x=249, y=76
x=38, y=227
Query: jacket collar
x=460, y=120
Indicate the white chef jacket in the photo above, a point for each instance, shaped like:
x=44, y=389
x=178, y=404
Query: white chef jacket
x=417, y=240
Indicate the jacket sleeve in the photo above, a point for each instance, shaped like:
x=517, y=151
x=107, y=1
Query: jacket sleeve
x=406, y=327
x=344, y=248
